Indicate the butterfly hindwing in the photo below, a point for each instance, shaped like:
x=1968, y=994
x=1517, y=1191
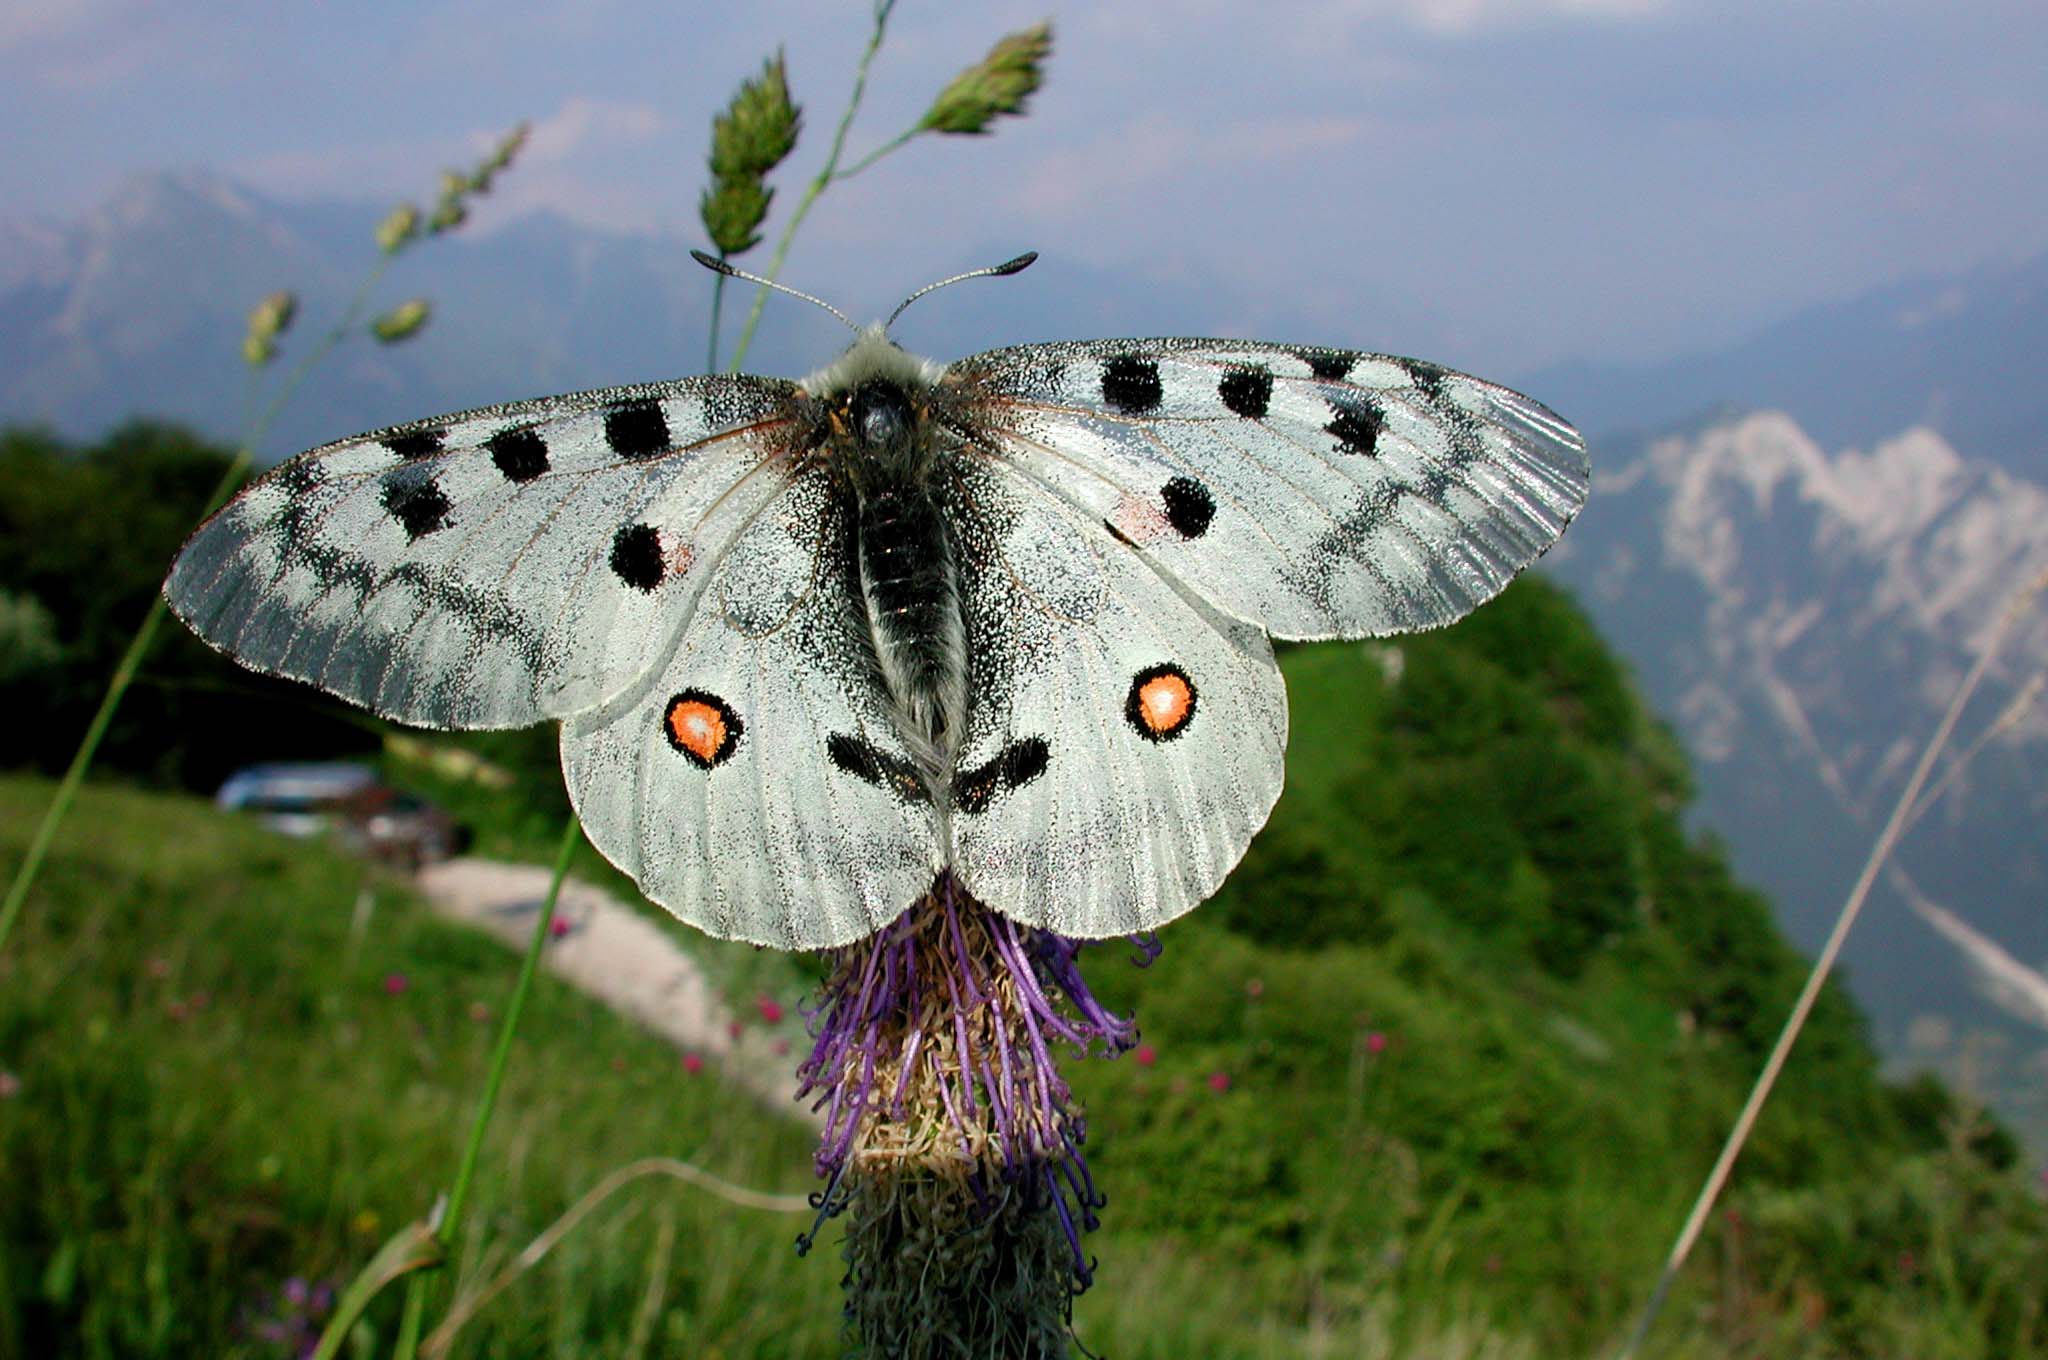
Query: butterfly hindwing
x=751, y=781
x=491, y=568
x=1127, y=739
x=1319, y=493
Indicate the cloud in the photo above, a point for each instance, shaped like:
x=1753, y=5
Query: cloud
x=569, y=166
x=584, y=125
x=28, y=24
x=83, y=45
x=1465, y=18
x=1157, y=148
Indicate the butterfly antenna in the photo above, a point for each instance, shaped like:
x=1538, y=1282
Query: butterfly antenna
x=1003, y=270
x=718, y=266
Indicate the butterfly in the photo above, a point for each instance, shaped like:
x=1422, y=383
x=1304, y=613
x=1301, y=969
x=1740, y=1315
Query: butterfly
x=814, y=644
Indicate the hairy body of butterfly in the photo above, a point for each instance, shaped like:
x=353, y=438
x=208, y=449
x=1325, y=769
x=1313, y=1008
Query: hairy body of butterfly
x=814, y=643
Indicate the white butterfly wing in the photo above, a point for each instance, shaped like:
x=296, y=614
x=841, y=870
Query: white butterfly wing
x=751, y=782
x=1319, y=493
x=1126, y=738
x=492, y=568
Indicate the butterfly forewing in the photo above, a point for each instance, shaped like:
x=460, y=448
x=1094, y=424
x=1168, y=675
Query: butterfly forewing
x=1318, y=493
x=492, y=568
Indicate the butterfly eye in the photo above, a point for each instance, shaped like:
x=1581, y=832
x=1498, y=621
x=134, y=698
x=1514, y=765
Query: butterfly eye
x=881, y=415
x=1161, y=703
x=701, y=726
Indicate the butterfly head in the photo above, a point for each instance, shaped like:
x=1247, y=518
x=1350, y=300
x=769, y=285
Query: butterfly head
x=876, y=399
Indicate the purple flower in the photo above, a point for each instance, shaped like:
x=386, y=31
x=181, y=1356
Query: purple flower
x=933, y=1061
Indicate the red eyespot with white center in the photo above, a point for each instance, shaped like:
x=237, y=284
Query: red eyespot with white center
x=1161, y=703
x=701, y=726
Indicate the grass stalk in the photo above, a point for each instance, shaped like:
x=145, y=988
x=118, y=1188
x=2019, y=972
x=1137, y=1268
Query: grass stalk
x=145, y=633
x=717, y=311
x=826, y=174
x=550, y=1237
x=465, y=1168
x=1903, y=812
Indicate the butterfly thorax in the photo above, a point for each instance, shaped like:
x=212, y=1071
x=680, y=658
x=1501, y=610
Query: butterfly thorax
x=887, y=454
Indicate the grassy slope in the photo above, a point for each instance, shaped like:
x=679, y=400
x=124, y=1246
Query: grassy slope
x=166, y=1165
x=1477, y=861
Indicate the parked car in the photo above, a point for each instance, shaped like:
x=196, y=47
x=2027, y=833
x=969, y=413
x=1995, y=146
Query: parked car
x=349, y=802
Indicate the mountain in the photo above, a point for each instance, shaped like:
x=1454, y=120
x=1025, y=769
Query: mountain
x=138, y=309
x=1957, y=353
x=1804, y=617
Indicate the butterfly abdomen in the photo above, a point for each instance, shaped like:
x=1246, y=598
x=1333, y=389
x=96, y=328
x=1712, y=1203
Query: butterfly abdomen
x=885, y=451
x=910, y=594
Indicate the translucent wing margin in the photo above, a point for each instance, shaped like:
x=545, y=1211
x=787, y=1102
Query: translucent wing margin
x=490, y=568
x=1318, y=493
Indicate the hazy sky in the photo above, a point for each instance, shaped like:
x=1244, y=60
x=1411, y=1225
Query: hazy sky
x=1526, y=180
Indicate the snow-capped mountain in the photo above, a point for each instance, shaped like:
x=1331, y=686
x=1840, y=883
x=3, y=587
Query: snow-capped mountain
x=1805, y=618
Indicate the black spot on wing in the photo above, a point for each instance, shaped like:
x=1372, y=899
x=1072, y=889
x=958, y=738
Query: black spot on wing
x=519, y=453
x=1019, y=763
x=1329, y=365
x=1429, y=380
x=1356, y=424
x=636, y=429
x=636, y=556
x=1130, y=384
x=1189, y=506
x=871, y=766
x=411, y=498
x=1247, y=391
x=415, y=443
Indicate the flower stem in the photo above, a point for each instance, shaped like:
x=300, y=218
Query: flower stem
x=817, y=185
x=884, y=149
x=145, y=633
x=465, y=1169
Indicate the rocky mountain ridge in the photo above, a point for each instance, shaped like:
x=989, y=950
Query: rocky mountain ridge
x=1804, y=618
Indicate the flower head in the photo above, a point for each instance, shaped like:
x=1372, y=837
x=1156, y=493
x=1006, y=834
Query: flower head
x=998, y=84
x=948, y=1124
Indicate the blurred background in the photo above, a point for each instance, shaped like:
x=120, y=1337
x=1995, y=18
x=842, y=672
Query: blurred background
x=1786, y=266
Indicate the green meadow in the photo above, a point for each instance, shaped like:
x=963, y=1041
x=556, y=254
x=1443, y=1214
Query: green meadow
x=1436, y=1075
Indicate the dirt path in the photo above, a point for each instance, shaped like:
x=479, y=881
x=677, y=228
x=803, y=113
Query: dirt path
x=616, y=955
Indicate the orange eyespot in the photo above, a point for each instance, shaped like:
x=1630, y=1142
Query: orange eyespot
x=702, y=726
x=1161, y=703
